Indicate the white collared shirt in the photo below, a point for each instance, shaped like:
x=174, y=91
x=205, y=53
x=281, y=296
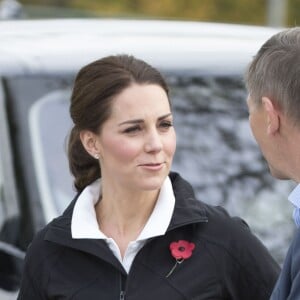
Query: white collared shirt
x=84, y=223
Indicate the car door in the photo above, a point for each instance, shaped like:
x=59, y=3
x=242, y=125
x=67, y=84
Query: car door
x=11, y=257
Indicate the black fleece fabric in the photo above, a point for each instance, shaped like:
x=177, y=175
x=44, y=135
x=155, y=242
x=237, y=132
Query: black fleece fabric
x=228, y=261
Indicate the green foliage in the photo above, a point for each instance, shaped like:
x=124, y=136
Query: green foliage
x=294, y=13
x=229, y=11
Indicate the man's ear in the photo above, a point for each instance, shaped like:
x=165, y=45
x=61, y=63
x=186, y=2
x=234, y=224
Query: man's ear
x=89, y=142
x=272, y=115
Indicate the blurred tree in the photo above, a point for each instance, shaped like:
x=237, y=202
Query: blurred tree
x=229, y=11
x=241, y=11
x=294, y=13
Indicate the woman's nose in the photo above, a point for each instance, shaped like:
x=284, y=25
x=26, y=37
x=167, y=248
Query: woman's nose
x=153, y=142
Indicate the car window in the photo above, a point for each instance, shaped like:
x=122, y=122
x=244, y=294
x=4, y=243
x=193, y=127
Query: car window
x=9, y=208
x=24, y=93
x=49, y=124
x=2, y=207
x=2, y=216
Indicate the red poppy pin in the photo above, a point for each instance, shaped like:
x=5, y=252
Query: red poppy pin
x=180, y=250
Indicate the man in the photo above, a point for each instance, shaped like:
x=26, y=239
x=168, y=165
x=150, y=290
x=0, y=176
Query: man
x=273, y=83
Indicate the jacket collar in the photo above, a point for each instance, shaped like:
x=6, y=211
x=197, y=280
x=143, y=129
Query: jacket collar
x=187, y=210
x=84, y=223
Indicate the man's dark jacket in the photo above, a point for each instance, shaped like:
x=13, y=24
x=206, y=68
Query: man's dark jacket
x=228, y=262
x=288, y=284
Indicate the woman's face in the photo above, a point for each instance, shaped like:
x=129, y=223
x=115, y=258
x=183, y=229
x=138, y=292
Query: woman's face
x=137, y=143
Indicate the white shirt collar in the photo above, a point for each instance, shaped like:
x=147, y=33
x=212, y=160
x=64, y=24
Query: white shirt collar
x=84, y=222
x=294, y=196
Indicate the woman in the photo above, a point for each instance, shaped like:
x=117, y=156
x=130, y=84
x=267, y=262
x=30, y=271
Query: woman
x=135, y=230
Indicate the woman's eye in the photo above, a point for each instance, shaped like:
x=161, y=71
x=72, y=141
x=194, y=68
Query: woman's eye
x=132, y=129
x=166, y=124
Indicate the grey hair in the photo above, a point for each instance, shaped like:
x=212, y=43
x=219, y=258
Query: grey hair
x=275, y=73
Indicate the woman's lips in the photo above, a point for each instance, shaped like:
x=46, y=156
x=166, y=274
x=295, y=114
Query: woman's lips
x=152, y=166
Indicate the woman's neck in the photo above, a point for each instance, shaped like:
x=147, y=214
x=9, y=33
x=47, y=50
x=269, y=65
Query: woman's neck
x=122, y=215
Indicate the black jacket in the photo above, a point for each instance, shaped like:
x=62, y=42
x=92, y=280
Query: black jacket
x=228, y=262
x=288, y=284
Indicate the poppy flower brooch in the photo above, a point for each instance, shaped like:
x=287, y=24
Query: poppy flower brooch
x=180, y=250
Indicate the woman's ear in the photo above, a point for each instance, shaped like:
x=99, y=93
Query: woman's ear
x=272, y=115
x=89, y=142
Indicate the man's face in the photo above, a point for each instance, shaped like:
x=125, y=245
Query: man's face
x=269, y=143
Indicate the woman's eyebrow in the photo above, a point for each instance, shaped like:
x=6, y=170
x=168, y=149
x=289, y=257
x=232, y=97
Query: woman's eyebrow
x=165, y=116
x=137, y=121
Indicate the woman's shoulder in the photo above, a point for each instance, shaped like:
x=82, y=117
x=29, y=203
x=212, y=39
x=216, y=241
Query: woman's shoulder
x=226, y=231
x=218, y=221
x=232, y=236
x=40, y=249
x=219, y=216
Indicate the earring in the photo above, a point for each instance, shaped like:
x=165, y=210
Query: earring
x=96, y=156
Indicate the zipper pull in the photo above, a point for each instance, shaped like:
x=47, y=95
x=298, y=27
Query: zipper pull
x=122, y=295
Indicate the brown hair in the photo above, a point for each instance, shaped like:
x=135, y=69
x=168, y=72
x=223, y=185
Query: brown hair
x=96, y=85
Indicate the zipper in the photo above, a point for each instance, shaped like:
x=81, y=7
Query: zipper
x=122, y=295
x=122, y=286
